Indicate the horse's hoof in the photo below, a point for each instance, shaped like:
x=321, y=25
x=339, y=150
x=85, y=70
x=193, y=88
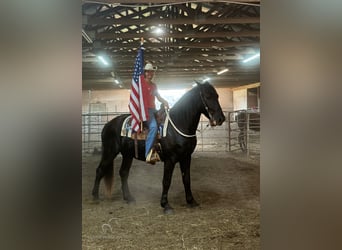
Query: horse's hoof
x=192, y=204
x=131, y=202
x=168, y=211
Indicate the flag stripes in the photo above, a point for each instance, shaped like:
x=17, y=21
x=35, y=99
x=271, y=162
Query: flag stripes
x=137, y=105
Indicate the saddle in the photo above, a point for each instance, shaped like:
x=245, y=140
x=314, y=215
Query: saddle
x=126, y=131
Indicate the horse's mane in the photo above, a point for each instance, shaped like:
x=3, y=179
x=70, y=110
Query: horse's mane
x=186, y=98
x=189, y=98
x=186, y=112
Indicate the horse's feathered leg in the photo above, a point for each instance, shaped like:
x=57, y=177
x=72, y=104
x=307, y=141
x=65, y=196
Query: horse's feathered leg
x=185, y=169
x=168, y=171
x=124, y=172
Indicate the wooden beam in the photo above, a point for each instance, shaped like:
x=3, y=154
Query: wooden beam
x=178, y=74
x=253, y=85
x=146, y=35
x=148, y=2
x=186, y=57
x=148, y=21
x=169, y=64
x=223, y=54
x=118, y=45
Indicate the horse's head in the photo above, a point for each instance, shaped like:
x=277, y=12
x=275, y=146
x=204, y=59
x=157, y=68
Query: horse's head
x=212, y=108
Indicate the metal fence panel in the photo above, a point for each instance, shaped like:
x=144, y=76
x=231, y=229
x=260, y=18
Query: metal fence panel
x=209, y=139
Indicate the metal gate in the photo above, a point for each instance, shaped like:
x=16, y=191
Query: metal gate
x=244, y=135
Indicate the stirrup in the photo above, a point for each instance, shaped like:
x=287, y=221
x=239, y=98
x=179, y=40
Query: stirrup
x=155, y=156
x=152, y=157
x=149, y=158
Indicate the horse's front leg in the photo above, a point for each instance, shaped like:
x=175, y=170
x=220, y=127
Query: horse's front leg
x=185, y=169
x=124, y=173
x=168, y=171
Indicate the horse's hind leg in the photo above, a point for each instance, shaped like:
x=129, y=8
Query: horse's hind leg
x=185, y=169
x=124, y=173
x=105, y=169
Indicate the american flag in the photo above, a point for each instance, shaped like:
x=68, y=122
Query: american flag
x=137, y=106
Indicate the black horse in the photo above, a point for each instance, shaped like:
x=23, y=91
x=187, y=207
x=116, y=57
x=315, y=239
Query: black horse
x=177, y=146
x=244, y=118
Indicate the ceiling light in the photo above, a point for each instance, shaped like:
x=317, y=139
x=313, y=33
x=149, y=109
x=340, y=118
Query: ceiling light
x=158, y=31
x=222, y=71
x=251, y=58
x=116, y=81
x=102, y=60
x=206, y=79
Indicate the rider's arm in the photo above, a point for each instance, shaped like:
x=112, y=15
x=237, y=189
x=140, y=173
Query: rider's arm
x=162, y=100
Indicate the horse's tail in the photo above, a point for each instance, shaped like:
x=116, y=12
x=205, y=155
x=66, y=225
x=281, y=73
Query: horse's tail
x=109, y=152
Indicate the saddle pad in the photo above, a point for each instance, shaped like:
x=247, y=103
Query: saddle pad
x=126, y=130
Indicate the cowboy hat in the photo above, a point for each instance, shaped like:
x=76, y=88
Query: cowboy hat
x=149, y=66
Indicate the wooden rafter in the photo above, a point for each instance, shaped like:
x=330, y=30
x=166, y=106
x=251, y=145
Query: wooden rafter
x=148, y=21
x=148, y=2
x=200, y=38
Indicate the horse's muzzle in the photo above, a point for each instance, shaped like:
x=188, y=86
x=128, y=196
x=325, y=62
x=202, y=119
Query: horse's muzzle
x=212, y=123
x=217, y=120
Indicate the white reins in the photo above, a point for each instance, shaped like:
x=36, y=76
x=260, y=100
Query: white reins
x=174, y=126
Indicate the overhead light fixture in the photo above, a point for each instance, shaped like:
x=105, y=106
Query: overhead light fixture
x=116, y=81
x=85, y=35
x=206, y=79
x=102, y=60
x=158, y=31
x=222, y=71
x=251, y=58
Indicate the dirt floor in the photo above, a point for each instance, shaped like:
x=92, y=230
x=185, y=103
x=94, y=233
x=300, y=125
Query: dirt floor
x=225, y=185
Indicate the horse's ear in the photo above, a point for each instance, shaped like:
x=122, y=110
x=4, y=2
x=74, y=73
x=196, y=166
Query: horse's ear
x=198, y=83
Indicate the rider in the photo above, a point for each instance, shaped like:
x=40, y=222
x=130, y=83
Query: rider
x=152, y=90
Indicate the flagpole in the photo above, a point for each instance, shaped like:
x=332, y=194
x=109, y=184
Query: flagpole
x=141, y=122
